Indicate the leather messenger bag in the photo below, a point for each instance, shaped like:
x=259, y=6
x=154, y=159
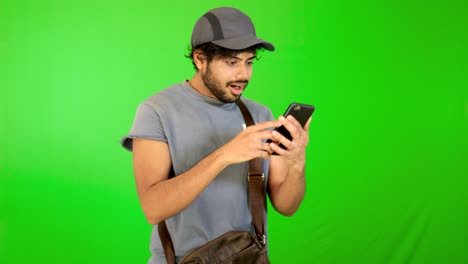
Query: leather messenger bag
x=240, y=247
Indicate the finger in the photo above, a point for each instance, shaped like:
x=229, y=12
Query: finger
x=264, y=125
x=306, y=127
x=262, y=154
x=265, y=147
x=293, y=120
x=263, y=135
x=278, y=150
x=280, y=139
x=291, y=124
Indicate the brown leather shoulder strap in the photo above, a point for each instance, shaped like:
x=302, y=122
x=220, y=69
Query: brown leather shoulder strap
x=257, y=198
x=166, y=242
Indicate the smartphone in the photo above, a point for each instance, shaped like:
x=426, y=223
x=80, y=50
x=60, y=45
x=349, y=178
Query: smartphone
x=301, y=112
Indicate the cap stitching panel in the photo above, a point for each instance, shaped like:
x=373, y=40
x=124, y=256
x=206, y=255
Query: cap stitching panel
x=215, y=25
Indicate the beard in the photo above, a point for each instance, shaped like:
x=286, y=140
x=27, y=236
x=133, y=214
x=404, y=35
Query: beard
x=221, y=92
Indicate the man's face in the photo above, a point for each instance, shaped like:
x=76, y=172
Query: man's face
x=227, y=78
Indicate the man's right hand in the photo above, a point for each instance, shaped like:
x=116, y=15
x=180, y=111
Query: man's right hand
x=249, y=143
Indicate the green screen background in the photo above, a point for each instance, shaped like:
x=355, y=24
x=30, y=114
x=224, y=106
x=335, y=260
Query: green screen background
x=386, y=165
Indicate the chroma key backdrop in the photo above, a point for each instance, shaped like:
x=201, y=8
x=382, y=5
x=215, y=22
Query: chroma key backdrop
x=387, y=160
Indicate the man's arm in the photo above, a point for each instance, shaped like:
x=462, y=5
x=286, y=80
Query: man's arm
x=286, y=182
x=161, y=197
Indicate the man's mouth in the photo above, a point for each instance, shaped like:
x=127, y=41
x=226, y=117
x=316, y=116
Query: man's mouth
x=237, y=86
x=237, y=89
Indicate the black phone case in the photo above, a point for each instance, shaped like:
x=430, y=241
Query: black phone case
x=301, y=112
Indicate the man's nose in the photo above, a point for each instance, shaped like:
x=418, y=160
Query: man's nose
x=243, y=73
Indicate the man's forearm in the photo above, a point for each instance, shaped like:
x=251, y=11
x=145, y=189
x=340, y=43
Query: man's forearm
x=290, y=193
x=168, y=197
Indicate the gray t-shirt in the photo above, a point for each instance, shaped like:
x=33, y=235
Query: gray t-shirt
x=194, y=126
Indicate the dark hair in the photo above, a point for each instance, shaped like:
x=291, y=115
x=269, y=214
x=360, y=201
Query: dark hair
x=212, y=51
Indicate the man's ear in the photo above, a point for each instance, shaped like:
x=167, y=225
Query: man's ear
x=199, y=59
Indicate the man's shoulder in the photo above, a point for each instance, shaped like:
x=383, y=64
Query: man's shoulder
x=259, y=111
x=165, y=96
x=254, y=105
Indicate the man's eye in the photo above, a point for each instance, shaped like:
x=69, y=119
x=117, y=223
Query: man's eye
x=250, y=62
x=231, y=62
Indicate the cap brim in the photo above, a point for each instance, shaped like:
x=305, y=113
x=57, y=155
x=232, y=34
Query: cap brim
x=243, y=42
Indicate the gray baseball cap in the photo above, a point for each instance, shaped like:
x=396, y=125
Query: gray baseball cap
x=227, y=27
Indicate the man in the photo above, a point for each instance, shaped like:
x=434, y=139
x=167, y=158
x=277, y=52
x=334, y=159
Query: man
x=195, y=130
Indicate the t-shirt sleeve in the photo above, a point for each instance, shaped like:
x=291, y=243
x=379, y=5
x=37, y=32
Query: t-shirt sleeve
x=147, y=124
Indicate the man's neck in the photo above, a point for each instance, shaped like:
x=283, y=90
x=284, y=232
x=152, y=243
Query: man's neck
x=198, y=85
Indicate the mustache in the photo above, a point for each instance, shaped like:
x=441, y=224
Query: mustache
x=237, y=82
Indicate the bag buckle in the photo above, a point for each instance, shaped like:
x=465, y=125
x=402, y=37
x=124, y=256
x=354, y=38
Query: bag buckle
x=255, y=174
x=262, y=239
